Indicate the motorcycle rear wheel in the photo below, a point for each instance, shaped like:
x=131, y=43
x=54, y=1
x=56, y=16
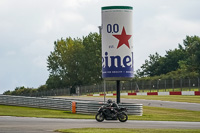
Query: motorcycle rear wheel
x=99, y=117
x=122, y=117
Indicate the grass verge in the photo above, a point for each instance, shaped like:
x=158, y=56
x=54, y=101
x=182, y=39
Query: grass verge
x=175, y=98
x=166, y=114
x=37, y=112
x=151, y=90
x=123, y=130
x=149, y=113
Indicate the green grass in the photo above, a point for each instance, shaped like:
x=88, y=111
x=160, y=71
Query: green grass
x=123, y=130
x=166, y=114
x=149, y=114
x=151, y=90
x=179, y=98
x=175, y=98
x=37, y=112
x=169, y=90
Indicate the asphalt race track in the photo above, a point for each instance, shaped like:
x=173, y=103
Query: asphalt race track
x=48, y=125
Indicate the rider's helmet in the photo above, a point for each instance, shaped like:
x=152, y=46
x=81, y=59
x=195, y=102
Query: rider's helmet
x=109, y=101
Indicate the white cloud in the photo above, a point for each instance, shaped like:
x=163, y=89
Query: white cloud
x=38, y=52
x=74, y=4
x=38, y=47
x=4, y=25
x=47, y=26
x=40, y=62
x=60, y=22
x=89, y=28
x=174, y=24
x=161, y=29
x=71, y=17
x=29, y=28
x=10, y=53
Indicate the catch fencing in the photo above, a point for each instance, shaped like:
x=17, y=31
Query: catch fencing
x=160, y=85
x=82, y=106
x=139, y=85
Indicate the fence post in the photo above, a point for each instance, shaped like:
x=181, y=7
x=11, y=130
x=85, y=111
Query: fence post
x=80, y=91
x=131, y=87
x=173, y=84
x=98, y=88
x=112, y=88
x=198, y=84
x=93, y=88
x=90, y=90
x=85, y=89
x=150, y=86
x=158, y=85
x=189, y=84
x=181, y=84
x=143, y=86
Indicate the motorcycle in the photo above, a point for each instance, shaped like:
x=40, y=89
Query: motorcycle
x=109, y=113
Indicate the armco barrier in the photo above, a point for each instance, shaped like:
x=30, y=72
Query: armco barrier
x=92, y=107
x=76, y=106
x=48, y=103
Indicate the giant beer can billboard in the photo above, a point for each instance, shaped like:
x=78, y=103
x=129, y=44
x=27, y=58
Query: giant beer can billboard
x=117, y=42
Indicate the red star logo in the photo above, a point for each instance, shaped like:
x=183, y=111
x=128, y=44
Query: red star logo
x=123, y=38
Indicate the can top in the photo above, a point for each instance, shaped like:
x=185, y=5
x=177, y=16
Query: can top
x=116, y=7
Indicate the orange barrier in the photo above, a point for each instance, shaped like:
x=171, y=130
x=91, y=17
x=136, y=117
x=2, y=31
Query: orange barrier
x=74, y=107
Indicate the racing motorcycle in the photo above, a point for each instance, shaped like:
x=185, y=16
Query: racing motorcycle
x=110, y=113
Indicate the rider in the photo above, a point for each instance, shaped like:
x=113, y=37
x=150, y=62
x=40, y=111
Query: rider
x=113, y=105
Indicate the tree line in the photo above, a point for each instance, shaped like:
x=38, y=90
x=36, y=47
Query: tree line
x=73, y=62
x=77, y=62
x=182, y=62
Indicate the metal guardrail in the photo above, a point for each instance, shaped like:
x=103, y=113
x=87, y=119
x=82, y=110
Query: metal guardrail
x=83, y=107
x=133, y=109
x=48, y=103
x=92, y=107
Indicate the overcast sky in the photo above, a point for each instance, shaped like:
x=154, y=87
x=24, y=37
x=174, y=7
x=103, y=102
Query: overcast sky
x=28, y=29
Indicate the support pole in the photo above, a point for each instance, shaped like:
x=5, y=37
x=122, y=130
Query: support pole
x=104, y=91
x=118, y=91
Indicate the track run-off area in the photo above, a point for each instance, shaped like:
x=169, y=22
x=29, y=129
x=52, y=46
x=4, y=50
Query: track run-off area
x=49, y=125
x=10, y=124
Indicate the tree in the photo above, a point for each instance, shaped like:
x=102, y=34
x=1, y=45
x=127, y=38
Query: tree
x=149, y=68
x=75, y=62
x=64, y=62
x=8, y=92
x=192, y=47
x=174, y=60
x=91, y=66
x=170, y=62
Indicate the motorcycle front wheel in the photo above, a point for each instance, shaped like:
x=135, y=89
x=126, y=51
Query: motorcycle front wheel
x=122, y=117
x=99, y=117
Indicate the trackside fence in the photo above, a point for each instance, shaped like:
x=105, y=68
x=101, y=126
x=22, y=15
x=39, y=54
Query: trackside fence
x=136, y=85
x=140, y=85
x=82, y=107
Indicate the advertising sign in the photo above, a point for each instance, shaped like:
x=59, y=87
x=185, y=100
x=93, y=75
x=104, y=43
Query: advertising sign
x=117, y=43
